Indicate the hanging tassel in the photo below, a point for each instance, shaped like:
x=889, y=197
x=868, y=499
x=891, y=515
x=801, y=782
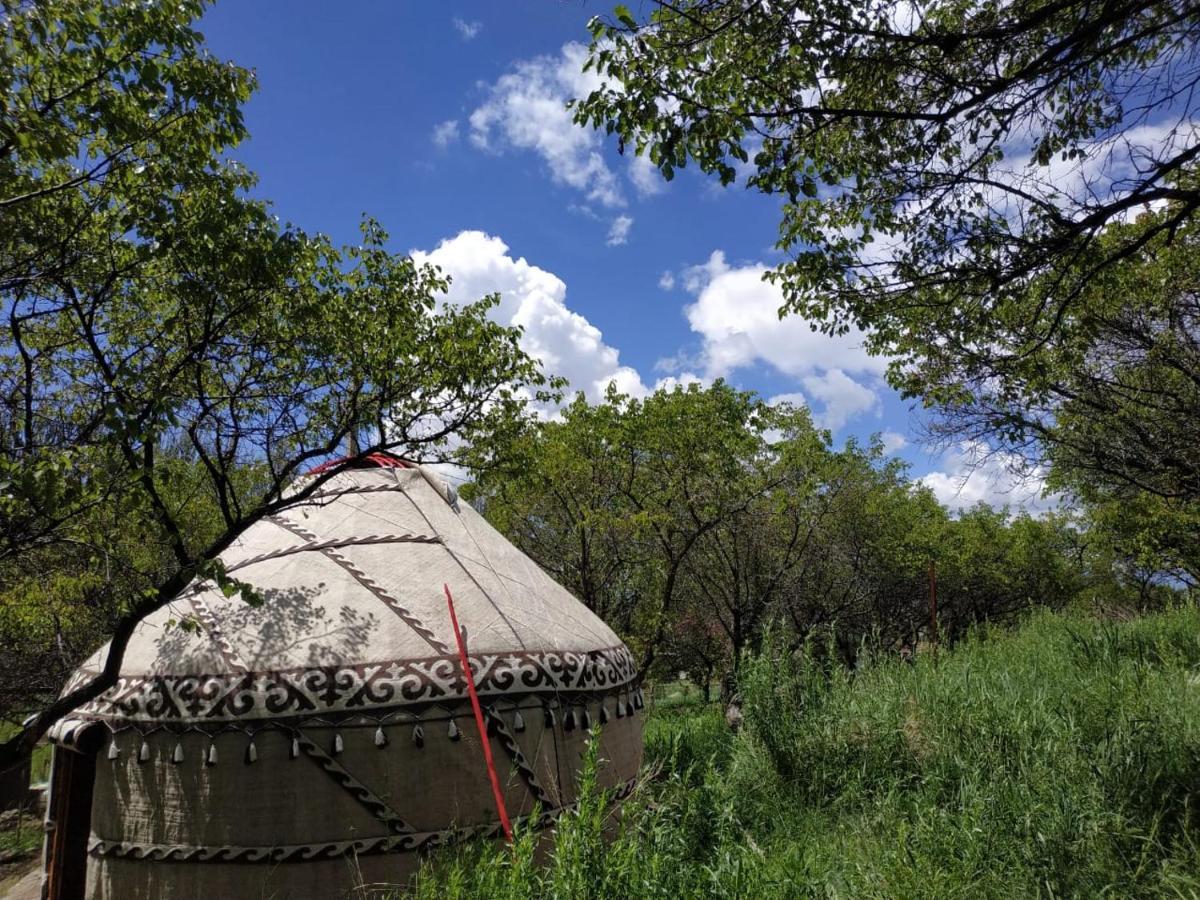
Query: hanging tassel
x=453, y=731
x=569, y=720
x=585, y=720
x=620, y=708
x=549, y=717
x=638, y=702
x=337, y=743
x=603, y=714
x=419, y=736
x=144, y=753
x=380, y=737
x=295, y=747
x=211, y=760
x=518, y=722
x=491, y=727
x=177, y=756
x=113, y=750
x=251, y=752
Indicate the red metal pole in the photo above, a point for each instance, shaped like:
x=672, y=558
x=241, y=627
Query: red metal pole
x=483, y=735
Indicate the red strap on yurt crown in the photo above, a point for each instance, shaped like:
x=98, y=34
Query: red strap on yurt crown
x=380, y=460
x=483, y=736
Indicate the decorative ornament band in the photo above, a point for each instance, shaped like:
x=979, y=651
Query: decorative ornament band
x=248, y=696
x=282, y=853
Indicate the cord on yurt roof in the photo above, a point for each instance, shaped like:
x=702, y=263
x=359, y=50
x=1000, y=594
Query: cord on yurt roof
x=454, y=556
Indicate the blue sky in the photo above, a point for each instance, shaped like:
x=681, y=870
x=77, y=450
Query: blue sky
x=446, y=123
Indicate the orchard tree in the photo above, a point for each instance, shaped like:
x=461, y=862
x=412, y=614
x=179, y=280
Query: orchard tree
x=738, y=574
x=863, y=577
x=964, y=181
x=557, y=492
x=174, y=357
x=108, y=107
x=614, y=499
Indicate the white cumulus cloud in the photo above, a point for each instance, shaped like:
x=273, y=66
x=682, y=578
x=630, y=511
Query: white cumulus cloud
x=445, y=133
x=793, y=398
x=646, y=178
x=564, y=341
x=893, y=441
x=683, y=379
x=736, y=315
x=526, y=109
x=618, y=232
x=971, y=474
x=842, y=397
x=467, y=30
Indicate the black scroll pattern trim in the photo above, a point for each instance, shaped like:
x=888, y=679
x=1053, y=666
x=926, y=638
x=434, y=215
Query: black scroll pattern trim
x=352, y=786
x=288, y=853
x=242, y=696
x=365, y=580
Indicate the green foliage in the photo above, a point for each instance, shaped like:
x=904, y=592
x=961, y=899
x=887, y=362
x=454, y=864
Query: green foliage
x=694, y=518
x=958, y=180
x=889, y=134
x=25, y=840
x=174, y=357
x=686, y=741
x=614, y=498
x=1059, y=760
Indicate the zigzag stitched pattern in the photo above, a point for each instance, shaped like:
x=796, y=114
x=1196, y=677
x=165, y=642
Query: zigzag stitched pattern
x=355, y=788
x=513, y=749
x=312, y=546
x=362, y=578
x=398, y=843
x=223, y=644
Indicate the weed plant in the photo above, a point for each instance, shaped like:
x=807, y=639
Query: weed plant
x=1059, y=760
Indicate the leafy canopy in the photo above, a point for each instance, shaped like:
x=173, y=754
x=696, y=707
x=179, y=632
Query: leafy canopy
x=173, y=356
x=964, y=181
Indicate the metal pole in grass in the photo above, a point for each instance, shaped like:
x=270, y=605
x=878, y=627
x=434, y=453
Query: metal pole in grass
x=933, y=623
x=483, y=735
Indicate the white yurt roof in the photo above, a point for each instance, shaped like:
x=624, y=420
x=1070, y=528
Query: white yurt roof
x=355, y=618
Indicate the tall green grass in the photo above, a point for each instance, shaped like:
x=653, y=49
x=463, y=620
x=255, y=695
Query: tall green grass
x=1060, y=760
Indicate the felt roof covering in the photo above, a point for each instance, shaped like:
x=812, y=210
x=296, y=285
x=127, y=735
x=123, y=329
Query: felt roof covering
x=355, y=618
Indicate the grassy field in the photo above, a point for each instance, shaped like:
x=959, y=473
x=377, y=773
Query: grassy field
x=1059, y=760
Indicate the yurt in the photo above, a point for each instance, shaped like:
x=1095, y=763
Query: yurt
x=325, y=738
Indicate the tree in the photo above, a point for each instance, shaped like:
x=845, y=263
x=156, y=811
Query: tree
x=862, y=581
x=174, y=358
x=556, y=491
x=738, y=573
x=993, y=567
x=961, y=171
x=615, y=498
x=1140, y=551
x=1112, y=400
x=108, y=106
